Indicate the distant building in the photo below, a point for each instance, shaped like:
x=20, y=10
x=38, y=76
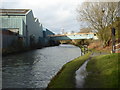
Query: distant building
x=48, y=32
x=46, y=37
x=22, y=21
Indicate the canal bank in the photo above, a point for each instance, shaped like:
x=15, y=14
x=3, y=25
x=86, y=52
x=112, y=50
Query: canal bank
x=14, y=50
x=102, y=68
x=65, y=78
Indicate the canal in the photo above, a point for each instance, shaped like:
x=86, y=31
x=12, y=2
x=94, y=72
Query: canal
x=35, y=69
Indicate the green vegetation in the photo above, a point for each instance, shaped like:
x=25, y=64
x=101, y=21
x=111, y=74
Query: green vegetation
x=103, y=72
x=100, y=51
x=66, y=76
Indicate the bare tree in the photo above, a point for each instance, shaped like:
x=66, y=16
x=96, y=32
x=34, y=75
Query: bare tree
x=100, y=16
x=86, y=30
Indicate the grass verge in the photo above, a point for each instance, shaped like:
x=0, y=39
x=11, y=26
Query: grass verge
x=65, y=78
x=98, y=51
x=104, y=71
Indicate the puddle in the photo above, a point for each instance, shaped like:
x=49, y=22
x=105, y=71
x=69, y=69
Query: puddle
x=81, y=74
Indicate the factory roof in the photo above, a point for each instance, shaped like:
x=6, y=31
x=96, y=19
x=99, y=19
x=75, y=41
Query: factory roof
x=14, y=11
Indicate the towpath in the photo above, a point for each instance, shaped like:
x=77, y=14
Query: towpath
x=81, y=73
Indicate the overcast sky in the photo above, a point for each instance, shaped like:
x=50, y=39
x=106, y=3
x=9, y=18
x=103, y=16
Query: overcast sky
x=53, y=14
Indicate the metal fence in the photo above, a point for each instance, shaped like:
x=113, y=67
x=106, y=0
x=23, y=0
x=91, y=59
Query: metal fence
x=117, y=48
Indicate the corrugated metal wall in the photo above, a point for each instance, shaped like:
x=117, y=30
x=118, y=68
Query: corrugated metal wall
x=33, y=27
x=27, y=26
x=10, y=23
x=7, y=40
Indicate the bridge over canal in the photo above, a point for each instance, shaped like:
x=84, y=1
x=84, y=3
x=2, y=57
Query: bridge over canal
x=73, y=36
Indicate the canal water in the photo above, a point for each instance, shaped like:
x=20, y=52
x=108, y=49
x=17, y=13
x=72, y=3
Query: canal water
x=35, y=69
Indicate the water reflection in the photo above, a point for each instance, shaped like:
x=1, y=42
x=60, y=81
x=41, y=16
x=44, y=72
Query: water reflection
x=34, y=69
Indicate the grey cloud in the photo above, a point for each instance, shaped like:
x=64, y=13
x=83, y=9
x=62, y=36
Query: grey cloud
x=52, y=16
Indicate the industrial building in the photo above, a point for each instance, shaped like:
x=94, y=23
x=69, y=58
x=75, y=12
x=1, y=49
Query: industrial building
x=23, y=22
x=47, y=39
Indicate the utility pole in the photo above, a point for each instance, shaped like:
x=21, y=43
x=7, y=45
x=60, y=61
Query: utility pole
x=113, y=40
x=62, y=32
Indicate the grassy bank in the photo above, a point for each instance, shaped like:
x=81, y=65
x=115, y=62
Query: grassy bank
x=103, y=71
x=65, y=78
